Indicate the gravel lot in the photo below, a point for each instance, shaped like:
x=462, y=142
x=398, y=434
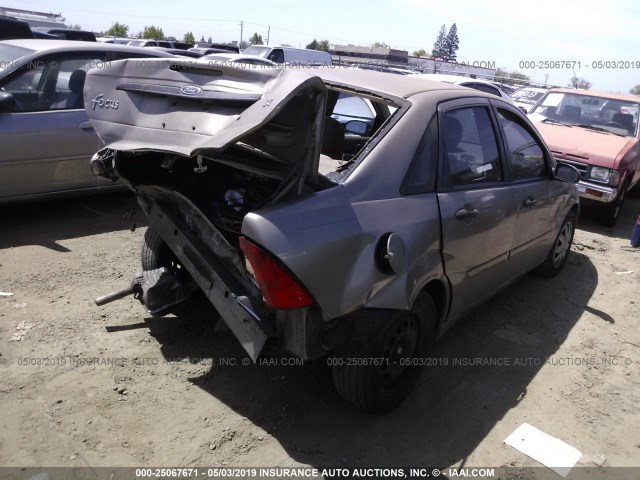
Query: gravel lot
x=110, y=386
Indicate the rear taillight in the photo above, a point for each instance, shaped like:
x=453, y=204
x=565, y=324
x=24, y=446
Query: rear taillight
x=279, y=289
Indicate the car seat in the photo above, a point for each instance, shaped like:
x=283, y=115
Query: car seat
x=74, y=98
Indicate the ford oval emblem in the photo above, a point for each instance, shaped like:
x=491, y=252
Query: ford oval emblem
x=190, y=90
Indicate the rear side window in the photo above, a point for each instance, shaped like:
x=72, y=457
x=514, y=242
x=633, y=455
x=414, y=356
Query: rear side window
x=421, y=176
x=470, y=148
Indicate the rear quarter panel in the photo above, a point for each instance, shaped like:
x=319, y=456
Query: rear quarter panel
x=328, y=239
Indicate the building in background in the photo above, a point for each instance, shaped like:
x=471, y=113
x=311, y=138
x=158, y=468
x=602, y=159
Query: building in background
x=353, y=54
x=390, y=58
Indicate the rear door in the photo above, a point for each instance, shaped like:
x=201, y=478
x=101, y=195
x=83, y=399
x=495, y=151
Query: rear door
x=477, y=206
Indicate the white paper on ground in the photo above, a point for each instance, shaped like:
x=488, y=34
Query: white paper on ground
x=550, y=451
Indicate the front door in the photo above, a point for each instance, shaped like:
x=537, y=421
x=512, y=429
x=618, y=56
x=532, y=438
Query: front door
x=477, y=206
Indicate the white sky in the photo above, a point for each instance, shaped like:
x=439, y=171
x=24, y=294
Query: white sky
x=503, y=32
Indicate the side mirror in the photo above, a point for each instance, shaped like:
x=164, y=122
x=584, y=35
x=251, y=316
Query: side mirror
x=567, y=173
x=7, y=102
x=356, y=126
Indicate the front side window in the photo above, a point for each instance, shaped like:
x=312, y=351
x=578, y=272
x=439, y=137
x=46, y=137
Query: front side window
x=470, y=147
x=54, y=84
x=524, y=155
x=277, y=55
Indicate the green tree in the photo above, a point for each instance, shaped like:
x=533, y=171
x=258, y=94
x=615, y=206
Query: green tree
x=118, y=30
x=256, y=39
x=322, y=45
x=419, y=53
x=74, y=27
x=189, y=38
x=202, y=40
x=380, y=45
x=451, y=44
x=635, y=90
x=153, y=32
x=209, y=40
x=439, y=46
x=577, y=82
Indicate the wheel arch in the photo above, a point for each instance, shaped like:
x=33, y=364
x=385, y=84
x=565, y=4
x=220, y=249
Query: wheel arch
x=440, y=294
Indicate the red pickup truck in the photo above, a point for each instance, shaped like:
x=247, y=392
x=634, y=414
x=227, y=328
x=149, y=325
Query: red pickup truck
x=598, y=134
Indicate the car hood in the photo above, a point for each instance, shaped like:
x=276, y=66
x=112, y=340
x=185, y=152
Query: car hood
x=581, y=144
x=190, y=107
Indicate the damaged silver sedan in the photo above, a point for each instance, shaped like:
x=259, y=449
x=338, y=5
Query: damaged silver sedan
x=329, y=212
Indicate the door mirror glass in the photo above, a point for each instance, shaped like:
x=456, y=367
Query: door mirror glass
x=567, y=173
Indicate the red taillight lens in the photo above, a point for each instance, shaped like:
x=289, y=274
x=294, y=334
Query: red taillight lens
x=279, y=289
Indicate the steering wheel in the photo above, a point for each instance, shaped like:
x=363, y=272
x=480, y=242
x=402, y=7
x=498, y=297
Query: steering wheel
x=614, y=124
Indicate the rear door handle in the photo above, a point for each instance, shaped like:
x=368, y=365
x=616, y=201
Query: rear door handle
x=85, y=125
x=529, y=202
x=466, y=213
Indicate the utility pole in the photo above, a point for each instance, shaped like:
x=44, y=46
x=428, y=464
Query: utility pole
x=268, y=34
x=545, y=79
x=241, y=26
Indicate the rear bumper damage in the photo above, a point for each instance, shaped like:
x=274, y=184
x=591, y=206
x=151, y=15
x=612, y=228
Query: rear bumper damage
x=213, y=264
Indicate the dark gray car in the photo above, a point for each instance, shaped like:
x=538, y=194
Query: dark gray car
x=46, y=136
x=360, y=247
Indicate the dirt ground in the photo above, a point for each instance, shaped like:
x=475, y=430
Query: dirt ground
x=88, y=386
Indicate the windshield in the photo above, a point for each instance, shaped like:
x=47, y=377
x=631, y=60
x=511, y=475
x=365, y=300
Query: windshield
x=9, y=54
x=599, y=113
x=257, y=51
x=530, y=97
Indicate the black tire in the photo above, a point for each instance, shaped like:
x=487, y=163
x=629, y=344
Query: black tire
x=402, y=345
x=157, y=254
x=559, y=251
x=609, y=214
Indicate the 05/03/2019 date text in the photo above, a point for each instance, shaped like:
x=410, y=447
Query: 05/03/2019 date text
x=572, y=64
x=382, y=361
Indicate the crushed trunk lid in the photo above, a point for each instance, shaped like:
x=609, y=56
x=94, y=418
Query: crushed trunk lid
x=189, y=108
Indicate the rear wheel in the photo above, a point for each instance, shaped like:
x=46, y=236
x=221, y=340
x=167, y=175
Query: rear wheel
x=560, y=250
x=157, y=254
x=378, y=377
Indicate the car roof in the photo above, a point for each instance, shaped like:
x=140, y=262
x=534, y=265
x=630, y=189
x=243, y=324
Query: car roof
x=607, y=95
x=455, y=79
x=54, y=46
x=236, y=56
x=533, y=89
x=403, y=86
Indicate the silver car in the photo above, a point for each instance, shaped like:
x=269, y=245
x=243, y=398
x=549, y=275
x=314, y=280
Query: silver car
x=45, y=133
x=363, y=248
